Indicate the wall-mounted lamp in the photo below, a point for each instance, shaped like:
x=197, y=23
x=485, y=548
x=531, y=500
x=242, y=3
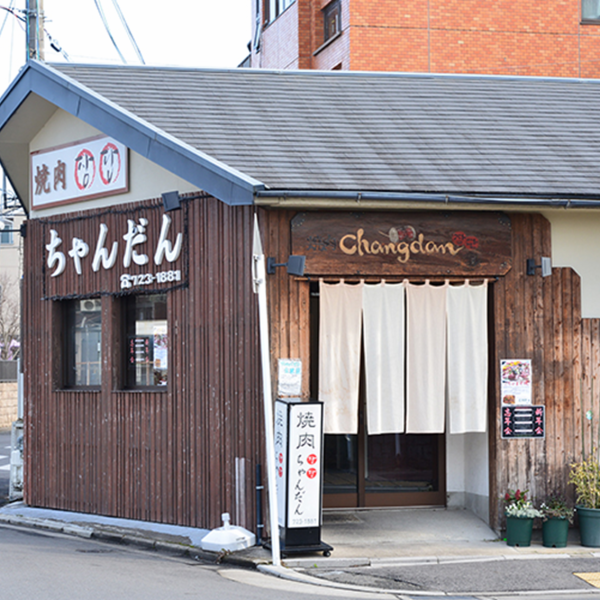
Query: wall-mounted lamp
x=546, y=266
x=295, y=265
x=171, y=201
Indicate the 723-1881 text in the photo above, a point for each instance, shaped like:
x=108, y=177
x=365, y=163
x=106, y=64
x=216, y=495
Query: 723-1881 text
x=128, y=281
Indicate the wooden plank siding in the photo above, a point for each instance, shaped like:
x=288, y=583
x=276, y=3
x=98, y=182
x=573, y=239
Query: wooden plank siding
x=288, y=299
x=170, y=456
x=167, y=456
x=540, y=318
x=531, y=317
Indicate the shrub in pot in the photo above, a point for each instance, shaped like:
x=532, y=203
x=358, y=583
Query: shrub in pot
x=519, y=518
x=585, y=476
x=556, y=517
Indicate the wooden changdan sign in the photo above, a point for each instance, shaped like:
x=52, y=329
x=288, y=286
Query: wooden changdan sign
x=403, y=243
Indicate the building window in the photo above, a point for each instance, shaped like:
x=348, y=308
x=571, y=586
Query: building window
x=83, y=339
x=332, y=19
x=6, y=237
x=147, y=341
x=590, y=10
x=273, y=8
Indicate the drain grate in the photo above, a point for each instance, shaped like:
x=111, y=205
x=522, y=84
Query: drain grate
x=340, y=518
x=591, y=578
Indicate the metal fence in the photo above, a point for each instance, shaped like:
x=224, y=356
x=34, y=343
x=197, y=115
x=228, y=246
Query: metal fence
x=9, y=370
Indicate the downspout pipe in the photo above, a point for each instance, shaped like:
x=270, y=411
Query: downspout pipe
x=267, y=197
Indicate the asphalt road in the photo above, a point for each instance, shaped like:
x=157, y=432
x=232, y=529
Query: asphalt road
x=40, y=564
x=492, y=578
x=50, y=566
x=4, y=465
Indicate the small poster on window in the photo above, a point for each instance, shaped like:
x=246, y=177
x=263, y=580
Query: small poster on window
x=160, y=346
x=515, y=382
x=290, y=377
x=140, y=351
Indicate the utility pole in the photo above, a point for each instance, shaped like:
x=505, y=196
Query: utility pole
x=35, y=29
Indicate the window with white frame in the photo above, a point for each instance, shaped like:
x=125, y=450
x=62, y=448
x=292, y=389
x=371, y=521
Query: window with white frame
x=83, y=338
x=590, y=10
x=6, y=235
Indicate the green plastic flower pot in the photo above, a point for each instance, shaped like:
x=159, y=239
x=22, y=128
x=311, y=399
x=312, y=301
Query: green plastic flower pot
x=555, y=532
x=518, y=531
x=589, y=526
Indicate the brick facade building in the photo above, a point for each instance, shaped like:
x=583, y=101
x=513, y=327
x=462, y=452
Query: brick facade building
x=554, y=38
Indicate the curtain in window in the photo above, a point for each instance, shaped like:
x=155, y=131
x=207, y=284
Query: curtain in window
x=590, y=9
x=384, y=337
x=467, y=358
x=339, y=355
x=426, y=358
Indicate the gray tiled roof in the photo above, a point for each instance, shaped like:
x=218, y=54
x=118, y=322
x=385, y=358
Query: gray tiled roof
x=302, y=130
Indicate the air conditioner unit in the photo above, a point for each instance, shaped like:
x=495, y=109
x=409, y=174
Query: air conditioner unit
x=90, y=305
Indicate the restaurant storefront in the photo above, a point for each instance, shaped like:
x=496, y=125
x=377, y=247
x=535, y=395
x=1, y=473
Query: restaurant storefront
x=141, y=353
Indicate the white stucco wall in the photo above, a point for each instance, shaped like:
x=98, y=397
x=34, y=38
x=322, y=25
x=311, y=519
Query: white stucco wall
x=467, y=472
x=146, y=179
x=576, y=244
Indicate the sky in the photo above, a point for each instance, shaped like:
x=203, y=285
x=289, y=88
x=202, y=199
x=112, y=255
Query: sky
x=189, y=33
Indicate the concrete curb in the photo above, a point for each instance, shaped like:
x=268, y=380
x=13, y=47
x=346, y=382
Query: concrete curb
x=56, y=526
x=126, y=537
x=290, y=568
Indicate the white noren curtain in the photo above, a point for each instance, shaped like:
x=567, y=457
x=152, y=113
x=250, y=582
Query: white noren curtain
x=426, y=358
x=467, y=358
x=339, y=355
x=384, y=337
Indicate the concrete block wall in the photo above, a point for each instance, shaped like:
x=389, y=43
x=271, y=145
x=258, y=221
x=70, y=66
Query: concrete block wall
x=8, y=404
x=504, y=37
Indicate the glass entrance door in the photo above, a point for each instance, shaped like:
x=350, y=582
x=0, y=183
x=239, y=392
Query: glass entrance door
x=378, y=470
x=383, y=470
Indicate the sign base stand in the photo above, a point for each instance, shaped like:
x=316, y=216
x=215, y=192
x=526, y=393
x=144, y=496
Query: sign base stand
x=326, y=549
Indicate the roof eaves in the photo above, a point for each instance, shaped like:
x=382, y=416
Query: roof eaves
x=212, y=176
x=306, y=198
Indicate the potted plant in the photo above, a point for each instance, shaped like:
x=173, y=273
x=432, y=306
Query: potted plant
x=556, y=517
x=519, y=518
x=585, y=476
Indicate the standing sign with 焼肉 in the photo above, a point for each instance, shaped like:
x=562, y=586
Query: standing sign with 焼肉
x=298, y=457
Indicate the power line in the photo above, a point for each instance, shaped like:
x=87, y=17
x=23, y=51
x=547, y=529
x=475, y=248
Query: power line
x=107, y=27
x=129, y=34
x=9, y=10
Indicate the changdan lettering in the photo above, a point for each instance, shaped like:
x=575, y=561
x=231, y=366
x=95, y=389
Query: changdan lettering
x=351, y=244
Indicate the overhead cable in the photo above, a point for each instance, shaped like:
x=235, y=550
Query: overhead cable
x=107, y=27
x=9, y=10
x=129, y=34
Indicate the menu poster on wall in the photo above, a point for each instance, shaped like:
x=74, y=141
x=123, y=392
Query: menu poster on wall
x=515, y=382
x=523, y=422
